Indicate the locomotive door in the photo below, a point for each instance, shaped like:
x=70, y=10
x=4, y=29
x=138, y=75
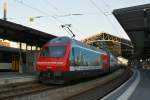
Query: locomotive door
x=15, y=63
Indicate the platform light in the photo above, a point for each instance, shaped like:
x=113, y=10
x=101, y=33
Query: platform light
x=32, y=18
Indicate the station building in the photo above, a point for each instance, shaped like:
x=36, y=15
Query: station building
x=136, y=22
x=22, y=59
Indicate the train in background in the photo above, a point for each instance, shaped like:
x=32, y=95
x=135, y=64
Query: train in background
x=9, y=59
x=64, y=59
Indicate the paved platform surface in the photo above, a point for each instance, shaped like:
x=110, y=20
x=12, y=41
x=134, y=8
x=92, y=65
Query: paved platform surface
x=14, y=77
x=142, y=91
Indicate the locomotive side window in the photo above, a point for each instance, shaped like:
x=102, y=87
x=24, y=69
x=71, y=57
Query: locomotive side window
x=85, y=57
x=72, y=57
x=53, y=51
x=77, y=57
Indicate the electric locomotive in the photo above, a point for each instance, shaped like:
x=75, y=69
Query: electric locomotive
x=64, y=59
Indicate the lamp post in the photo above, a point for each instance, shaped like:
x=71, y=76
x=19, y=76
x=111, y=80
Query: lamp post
x=5, y=10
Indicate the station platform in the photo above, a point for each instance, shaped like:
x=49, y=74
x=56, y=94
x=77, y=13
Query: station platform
x=142, y=91
x=136, y=88
x=15, y=77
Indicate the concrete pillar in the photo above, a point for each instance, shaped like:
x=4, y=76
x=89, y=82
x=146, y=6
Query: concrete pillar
x=31, y=48
x=21, y=61
x=26, y=47
x=36, y=48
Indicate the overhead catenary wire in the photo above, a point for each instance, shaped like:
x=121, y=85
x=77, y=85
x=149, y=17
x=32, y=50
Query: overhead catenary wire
x=48, y=4
x=61, y=11
x=51, y=5
x=39, y=10
x=46, y=14
x=25, y=17
x=110, y=8
x=107, y=5
x=43, y=12
x=105, y=14
x=57, y=19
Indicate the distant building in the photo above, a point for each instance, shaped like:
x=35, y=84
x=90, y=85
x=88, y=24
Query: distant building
x=118, y=46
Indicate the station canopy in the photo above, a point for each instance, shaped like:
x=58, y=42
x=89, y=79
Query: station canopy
x=136, y=22
x=19, y=33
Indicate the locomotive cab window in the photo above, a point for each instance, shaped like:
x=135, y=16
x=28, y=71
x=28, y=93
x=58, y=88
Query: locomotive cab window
x=53, y=51
x=44, y=52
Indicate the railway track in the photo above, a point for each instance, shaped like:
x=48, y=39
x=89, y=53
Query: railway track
x=100, y=91
x=8, y=92
x=67, y=92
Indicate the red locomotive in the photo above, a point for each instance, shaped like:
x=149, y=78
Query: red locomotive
x=63, y=59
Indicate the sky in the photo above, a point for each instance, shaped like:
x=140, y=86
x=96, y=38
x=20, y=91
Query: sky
x=94, y=15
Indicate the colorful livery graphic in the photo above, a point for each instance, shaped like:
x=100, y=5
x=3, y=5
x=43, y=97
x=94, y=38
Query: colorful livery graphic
x=64, y=59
